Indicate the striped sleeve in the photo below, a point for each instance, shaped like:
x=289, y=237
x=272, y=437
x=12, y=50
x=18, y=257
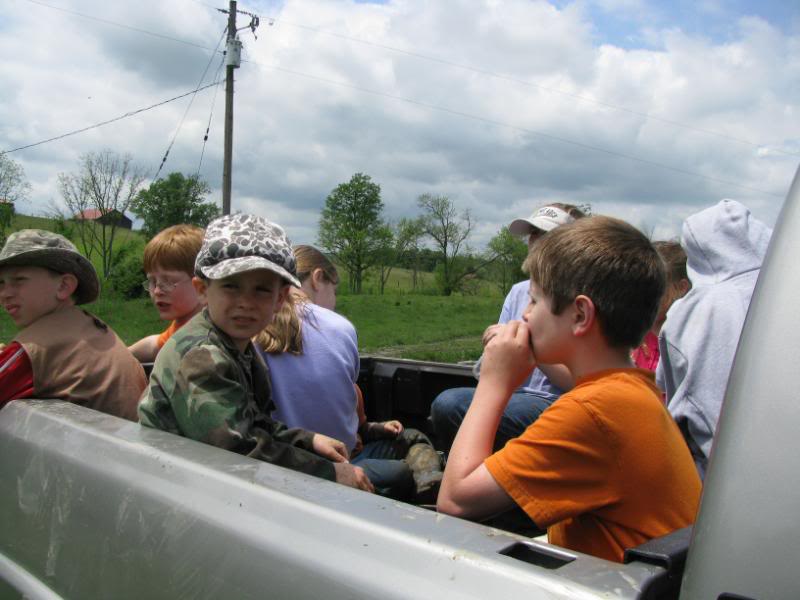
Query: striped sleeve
x=16, y=374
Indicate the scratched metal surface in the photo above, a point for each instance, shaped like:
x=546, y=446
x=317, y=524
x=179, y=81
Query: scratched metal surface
x=94, y=506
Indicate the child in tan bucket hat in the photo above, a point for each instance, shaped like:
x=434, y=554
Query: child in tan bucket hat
x=61, y=351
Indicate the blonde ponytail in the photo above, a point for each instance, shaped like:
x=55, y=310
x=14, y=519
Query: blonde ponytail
x=285, y=333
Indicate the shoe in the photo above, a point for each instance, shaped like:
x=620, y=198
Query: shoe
x=426, y=467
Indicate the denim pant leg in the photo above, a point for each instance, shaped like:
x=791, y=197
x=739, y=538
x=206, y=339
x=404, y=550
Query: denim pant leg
x=449, y=408
x=522, y=410
x=447, y=412
x=389, y=449
x=392, y=478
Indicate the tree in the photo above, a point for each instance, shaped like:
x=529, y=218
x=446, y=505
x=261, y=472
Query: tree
x=397, y=242
x=13, y=184
x=507, y=253
x=412, y=230
x=449, y=232
x=6, y=217
x=174, y=200
x=13, y=188
x=351, y=228
x=106, y=182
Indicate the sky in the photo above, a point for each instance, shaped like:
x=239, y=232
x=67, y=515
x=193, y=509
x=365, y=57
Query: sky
x=648, y=111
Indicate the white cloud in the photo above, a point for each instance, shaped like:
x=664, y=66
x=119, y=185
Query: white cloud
x=497, y=145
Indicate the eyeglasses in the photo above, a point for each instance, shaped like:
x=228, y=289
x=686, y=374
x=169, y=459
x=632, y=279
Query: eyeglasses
x=150, y=285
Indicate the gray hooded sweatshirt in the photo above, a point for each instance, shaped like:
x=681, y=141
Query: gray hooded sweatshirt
x=725, y=246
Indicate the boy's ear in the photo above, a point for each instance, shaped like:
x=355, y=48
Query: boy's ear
x=66, y=286
x=584, y=315
x=200, y=286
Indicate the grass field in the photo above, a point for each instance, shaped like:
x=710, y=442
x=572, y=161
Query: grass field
x=401, y=323
x=446, y=329
x=405, y=326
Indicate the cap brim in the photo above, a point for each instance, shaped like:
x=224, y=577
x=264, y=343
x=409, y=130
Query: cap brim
x=522, y=227
x=61, y=261
x=242, y=264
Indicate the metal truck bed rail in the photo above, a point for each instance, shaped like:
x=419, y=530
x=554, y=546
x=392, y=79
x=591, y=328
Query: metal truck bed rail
x=97, y=507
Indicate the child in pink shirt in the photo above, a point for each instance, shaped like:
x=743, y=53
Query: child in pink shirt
x=645, y=356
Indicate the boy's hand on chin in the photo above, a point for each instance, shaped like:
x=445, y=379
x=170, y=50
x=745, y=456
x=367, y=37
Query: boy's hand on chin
x=508, y=358
x=329, y=448
x=491, y=331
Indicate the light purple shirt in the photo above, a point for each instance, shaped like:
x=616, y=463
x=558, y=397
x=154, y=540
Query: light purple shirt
x=315, y=390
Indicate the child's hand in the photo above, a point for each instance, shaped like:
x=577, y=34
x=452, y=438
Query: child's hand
x=2, y=346
x=491, y=331
x=329, y=448
x=347, y=474
x=508, y=359
x=392, y=428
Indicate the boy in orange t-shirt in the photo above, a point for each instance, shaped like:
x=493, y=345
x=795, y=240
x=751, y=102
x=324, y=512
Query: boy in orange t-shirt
x=605, y=468
x=169, y=264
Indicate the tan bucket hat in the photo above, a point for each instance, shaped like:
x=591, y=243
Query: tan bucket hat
x=39, y=248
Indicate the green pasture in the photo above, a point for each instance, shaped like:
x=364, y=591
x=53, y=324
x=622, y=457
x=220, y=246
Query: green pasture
x=48, y=224
x=404, y=322
x=446, y=329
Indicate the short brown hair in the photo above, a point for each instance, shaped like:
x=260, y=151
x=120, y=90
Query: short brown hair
x=611, y=262
x=309, y=258
x=674, y=257
x=175, y=249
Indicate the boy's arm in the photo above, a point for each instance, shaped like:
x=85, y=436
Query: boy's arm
x=468, y=489
x=386, y=430
x=210, y=405
x=145, y=349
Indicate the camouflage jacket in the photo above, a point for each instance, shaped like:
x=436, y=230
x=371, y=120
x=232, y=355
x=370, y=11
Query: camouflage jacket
x=202, y=387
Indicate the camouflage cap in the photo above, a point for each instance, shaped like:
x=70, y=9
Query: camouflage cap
x=39, y=248
x=238, y=243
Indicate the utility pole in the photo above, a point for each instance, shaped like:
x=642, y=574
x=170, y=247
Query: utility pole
x=233, y=54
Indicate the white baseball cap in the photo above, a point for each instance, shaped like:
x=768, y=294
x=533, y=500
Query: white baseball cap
x=545, y=219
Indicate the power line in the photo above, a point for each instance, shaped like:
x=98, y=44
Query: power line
x=121, y=25
x=210, y=116
x=523, y=82
x=517, y=128
x=188, y=107
x=447, y=110
x=444, y=62
x=211, y=6
x=96, y=125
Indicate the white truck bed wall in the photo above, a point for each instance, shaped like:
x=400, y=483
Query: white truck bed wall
x=93, y=506
x=747, y=534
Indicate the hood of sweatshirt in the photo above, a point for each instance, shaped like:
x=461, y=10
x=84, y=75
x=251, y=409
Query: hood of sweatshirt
x=723, y=241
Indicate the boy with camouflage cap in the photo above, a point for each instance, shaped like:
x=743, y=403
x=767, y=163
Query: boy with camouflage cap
x=208, y=382
x=61, y=351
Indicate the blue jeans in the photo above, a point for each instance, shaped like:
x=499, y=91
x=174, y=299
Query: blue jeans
x=390, y=476
x=449, y=408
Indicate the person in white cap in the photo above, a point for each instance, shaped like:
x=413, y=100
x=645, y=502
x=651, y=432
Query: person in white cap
x=546, y=384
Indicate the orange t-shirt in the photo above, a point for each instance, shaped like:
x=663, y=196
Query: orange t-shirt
x=167, y=333
x=605, y=468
